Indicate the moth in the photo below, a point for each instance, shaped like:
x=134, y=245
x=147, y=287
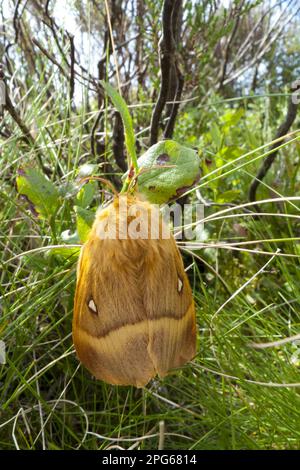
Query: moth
x=134, y=314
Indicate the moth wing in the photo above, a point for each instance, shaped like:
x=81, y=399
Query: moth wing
x=110, y=327
x=134, y=314
x=170, y=310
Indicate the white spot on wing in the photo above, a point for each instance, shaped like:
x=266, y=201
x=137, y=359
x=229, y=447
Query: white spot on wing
x=180, y=285
x=92, y=306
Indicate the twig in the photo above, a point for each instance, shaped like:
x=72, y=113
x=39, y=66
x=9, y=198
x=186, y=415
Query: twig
x=228, y=46
x=264, y=47
x=176, y=75
x=93, y=133
x=49, y=21
x=267, y=163
x=72, y=72
x=166, y=59
x=171, y=122
x=118, y=142
x=27, y=136
x=50, y=57
x=113, y=45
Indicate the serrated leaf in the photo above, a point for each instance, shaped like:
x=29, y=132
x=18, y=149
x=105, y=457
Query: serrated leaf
x=168, y=170
x=41, y=193
x=121, y=106
x=84, y=222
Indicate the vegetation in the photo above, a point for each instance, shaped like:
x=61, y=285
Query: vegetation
x=214, y=76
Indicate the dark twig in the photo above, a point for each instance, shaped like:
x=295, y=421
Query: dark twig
x=229, y=43
x=171, y=123
x=166, y=58
x=49, y=21
x=50, y=57
x=2, y=92
x=72, y=63
x=267, y=163
x=15, y=22
x=27, y=136
x=93, y=134
x=176, y=77
x=65, y=73
x=118, y=142
x=18, y=120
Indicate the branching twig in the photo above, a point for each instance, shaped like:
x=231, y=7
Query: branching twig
x=50, y=57
x=228, y=45
x=27, y=136
x=267, y=163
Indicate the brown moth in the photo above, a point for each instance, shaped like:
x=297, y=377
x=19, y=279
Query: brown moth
x=134, y=314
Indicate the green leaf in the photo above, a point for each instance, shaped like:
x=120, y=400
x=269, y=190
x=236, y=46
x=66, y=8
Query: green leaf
x=86, y=194
x=168, y=169
x=231, y=118
x=230, y=153
x=229, y=196
x=84, y=222
x=41, y=193
x=121, y=106
x=64, y=251
x=216, y=135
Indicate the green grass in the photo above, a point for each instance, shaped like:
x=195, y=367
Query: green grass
x=232, y=396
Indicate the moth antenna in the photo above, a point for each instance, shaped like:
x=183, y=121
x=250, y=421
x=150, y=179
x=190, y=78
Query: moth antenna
x=103, y=180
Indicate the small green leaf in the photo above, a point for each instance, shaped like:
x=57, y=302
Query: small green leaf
x=41, y=193
x=216, y=135
x=65, y=252
x=121, y=106
x=229, y=196
x=168, y=169
x=232, y=117
x=86, y=194
x=84, y=222
x=230, y=153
